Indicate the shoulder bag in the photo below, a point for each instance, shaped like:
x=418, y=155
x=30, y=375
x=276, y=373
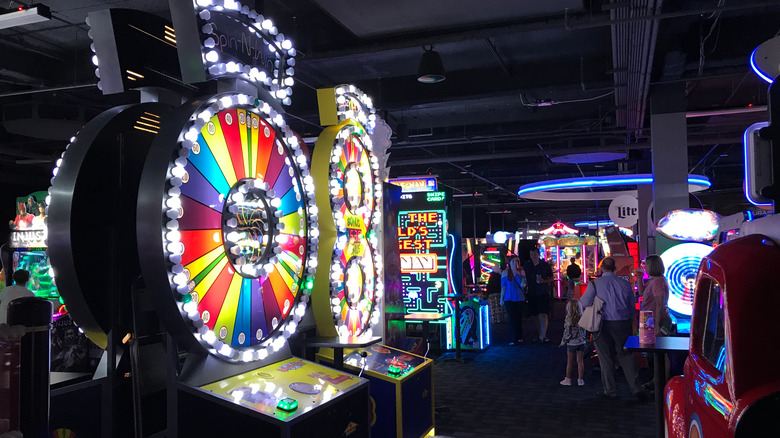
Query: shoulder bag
x=591, y=316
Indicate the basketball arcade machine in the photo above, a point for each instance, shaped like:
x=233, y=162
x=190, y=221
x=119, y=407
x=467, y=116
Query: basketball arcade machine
x=227, y=237
x=350, y=231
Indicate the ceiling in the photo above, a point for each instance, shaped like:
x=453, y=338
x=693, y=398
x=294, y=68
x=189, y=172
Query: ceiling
x=526, y=82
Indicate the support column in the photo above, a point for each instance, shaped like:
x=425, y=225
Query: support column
x=669, y=143
x=644, y=222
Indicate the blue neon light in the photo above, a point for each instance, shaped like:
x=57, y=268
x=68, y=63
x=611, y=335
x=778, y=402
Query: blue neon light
x=605, y=181
x=749, y=131
x=755, y=68
x=593, y=224
x=749, y=215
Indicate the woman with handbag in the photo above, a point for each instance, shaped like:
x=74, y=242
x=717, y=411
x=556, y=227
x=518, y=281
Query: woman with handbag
x=513, y=296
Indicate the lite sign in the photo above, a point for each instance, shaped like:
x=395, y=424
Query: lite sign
x=624, y=211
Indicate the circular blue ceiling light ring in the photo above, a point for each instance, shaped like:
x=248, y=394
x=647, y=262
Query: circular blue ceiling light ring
x=556, y=190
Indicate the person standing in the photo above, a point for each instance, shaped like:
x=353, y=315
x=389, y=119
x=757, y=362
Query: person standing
x=10, y=293
x=655, y=294
x=616, y=317
x=540, y=276
x=513, y=296
x=573, y=272
x=574, y=340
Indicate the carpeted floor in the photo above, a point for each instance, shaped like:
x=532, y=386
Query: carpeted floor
x=513, y=391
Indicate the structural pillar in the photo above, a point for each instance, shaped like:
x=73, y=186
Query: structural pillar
x=644, y=221
x=669, y=144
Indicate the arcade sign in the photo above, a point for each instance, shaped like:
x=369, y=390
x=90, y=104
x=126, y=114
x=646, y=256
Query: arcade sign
x=624, y=211
x=28, y=229
x=411, y=185
x=222, y=38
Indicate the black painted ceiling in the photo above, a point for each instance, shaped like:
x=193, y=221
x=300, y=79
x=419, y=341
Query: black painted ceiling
x=526, y=82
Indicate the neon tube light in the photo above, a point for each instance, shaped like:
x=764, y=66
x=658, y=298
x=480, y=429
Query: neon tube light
x=603, y=181
x=593, y=224
x=749, y=131
x=755, y=68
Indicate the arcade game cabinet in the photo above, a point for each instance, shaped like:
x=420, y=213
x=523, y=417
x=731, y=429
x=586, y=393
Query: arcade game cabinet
x=218, y=203
x=228, y=238
x=349, y=287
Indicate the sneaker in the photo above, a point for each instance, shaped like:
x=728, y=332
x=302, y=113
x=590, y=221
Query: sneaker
x=566, y=382
x=580, y=382
x=511, y=344
x=519, y=341
x=545, y=340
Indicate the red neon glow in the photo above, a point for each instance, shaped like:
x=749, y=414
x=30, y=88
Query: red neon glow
x=559, y=228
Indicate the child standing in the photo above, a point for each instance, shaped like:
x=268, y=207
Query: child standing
x=574, y=340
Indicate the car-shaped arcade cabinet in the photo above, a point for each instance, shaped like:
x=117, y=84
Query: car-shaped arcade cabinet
x=731, y=381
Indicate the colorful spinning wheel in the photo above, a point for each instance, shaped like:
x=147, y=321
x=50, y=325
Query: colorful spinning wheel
x=682, y=265
x=343, y=159
x=236, y=227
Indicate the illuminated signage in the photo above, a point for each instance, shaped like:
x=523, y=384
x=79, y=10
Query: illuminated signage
x=28, y=239
x=28, y=229
x=689, y=225
x=410, y=185
x=228, y=40
x=423, y=251
x=418, y=263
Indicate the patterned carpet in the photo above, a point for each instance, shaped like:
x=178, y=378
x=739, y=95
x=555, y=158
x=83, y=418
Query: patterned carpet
x=514, y=392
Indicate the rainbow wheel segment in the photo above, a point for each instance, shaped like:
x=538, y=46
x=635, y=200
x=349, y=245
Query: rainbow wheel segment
x=237, y=228
x=353, y=180
x=63, y=433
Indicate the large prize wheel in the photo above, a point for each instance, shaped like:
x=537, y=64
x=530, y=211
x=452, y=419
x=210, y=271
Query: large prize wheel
x=226, y=231
x=682, y=265
x=349, y=242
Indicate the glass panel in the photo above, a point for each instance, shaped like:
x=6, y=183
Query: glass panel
x=714, y=342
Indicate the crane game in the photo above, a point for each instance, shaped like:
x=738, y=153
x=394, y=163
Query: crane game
x=423, y=249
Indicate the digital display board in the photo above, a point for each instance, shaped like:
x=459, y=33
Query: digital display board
x=422, y=228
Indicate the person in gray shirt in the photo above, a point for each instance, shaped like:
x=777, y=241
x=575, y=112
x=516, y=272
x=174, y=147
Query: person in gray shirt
x=616, y=317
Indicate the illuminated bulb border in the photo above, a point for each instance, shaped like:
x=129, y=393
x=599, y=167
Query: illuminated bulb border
x=48, y=199
x=366, y=115
x=281, y=82
x=170, y=223
x=375, y=217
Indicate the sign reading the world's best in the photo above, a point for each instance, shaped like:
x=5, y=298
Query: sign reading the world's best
x=422, y=246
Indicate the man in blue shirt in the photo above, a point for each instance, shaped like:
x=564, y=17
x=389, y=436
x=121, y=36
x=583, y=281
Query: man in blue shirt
x=616, y=317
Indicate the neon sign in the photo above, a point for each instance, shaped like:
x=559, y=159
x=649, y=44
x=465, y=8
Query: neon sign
x=422, y=245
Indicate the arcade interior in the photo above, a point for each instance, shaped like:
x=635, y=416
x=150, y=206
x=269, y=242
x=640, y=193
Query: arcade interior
x=292, y=218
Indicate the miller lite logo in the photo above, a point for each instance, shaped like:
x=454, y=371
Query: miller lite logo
x=624, y=211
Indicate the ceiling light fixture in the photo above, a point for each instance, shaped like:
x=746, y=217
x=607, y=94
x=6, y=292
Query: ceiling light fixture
x=431, y=69
x=23, y=16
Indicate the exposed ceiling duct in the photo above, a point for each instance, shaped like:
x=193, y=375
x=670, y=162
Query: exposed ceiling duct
x=633, y=48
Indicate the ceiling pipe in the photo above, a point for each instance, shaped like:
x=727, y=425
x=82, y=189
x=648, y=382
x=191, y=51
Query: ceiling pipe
x=726, y=112
x=591, y=23
x=46, y=90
